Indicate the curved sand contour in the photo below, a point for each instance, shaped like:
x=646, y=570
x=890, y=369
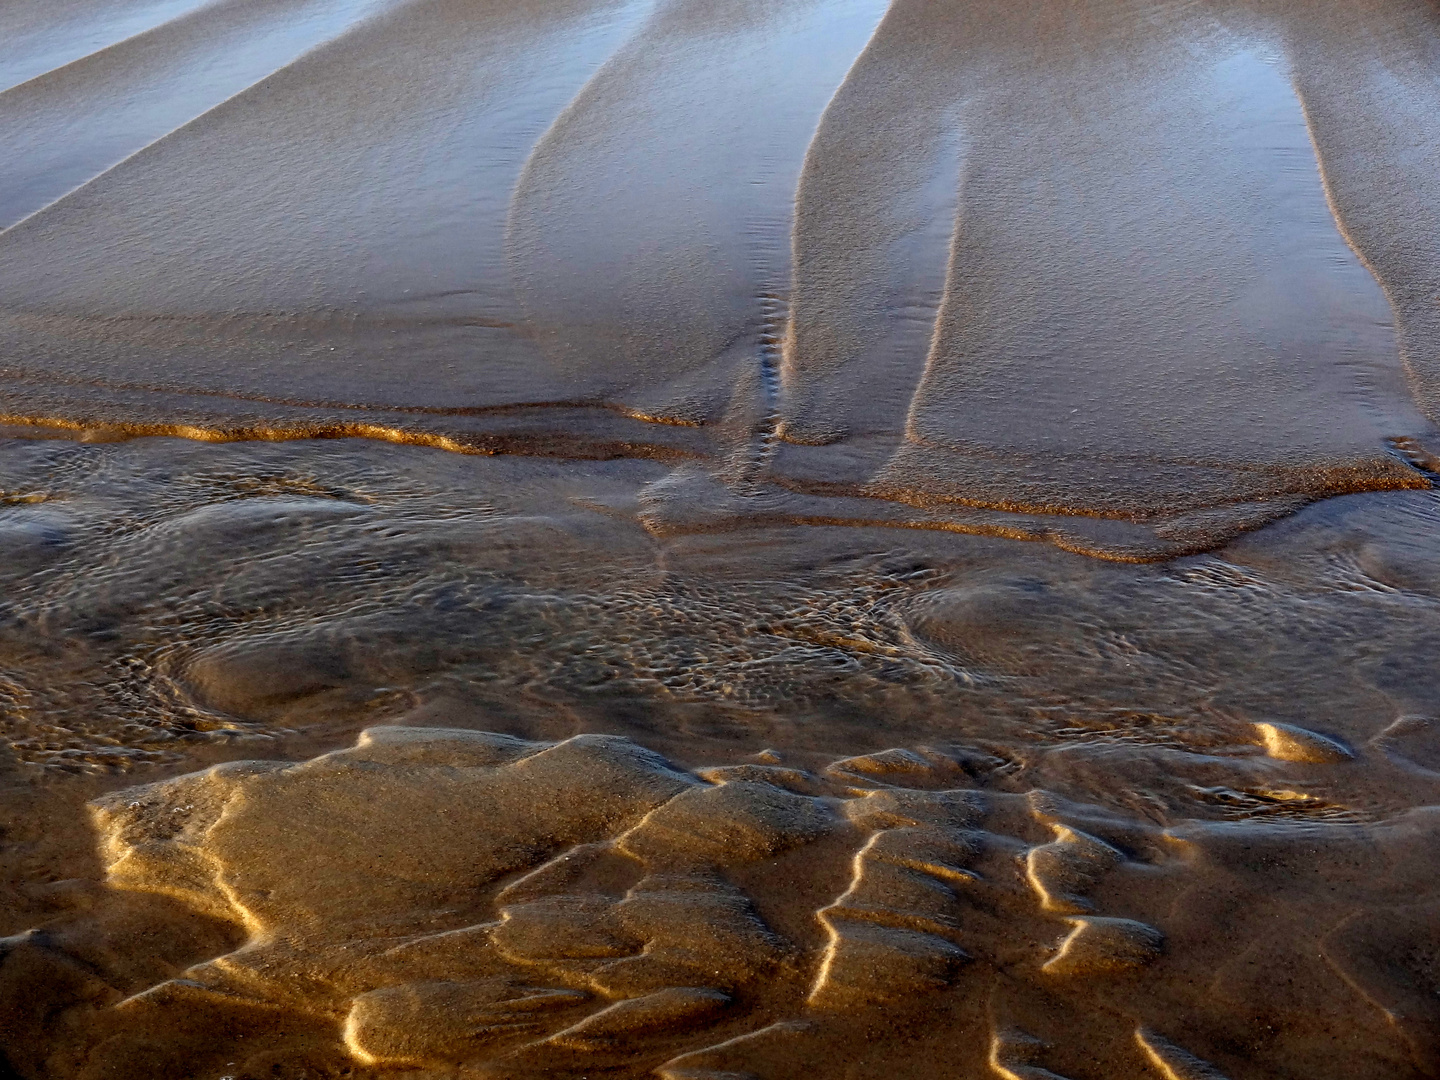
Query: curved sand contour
x=456, y=898
x=1126, y=281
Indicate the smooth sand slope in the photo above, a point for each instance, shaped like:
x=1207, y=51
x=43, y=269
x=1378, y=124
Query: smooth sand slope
x=1128, y=277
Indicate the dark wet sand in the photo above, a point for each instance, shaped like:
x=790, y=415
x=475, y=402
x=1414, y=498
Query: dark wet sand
x=719, y=540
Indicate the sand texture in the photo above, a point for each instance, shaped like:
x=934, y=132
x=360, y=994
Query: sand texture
x=691, y=805
x=513, y=908
x=719, y=540
x=1129, y=278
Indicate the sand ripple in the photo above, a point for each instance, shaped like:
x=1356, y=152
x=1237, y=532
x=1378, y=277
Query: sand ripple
x=531, y=909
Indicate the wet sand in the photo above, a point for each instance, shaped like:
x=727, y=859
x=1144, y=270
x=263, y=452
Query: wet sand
x=719, y=540
x=491, y=759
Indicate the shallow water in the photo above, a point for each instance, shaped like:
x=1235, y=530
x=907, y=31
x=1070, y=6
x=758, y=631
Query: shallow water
x=742, y=539
x=1251, y=731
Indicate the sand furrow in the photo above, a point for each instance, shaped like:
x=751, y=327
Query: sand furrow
x=119, y=103
x=1083, y=273
x=37, y=37
x=873, y=218
x=336, y=195
x=1203, y=298
x=690, y=212
x=169, y=15
x=1365, y=75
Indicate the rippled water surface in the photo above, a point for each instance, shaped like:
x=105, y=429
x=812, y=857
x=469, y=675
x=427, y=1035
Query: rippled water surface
x=744, y=539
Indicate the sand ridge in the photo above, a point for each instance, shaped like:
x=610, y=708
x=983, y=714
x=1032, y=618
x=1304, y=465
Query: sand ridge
x=1095, y=288
x=1004, y=802
x=518, y=908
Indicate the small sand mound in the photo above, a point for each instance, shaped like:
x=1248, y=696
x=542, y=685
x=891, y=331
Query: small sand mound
x=454, y=898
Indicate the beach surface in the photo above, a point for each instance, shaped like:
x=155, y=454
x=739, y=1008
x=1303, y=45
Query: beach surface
x=719, y=539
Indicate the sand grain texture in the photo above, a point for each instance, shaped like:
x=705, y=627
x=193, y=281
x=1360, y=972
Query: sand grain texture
x=510, y=519
x=474, y=899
